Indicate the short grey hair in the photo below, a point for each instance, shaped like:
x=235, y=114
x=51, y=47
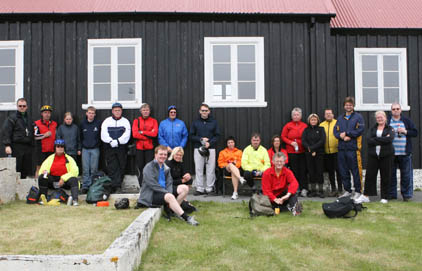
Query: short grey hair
x=279, y=155
x=297, y=109
x=395, y=103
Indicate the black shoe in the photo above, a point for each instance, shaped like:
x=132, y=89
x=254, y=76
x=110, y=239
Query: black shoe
x=187, y=207
x=321, y=194
x=199, y=193
x=407, y=199
x=213, y=193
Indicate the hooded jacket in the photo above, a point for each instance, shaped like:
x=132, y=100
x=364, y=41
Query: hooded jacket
x=205, y=128
x=172, y=133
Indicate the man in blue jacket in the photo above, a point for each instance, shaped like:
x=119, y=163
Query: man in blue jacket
x=172, y=131
x=204, y=133
x=348, y=130
x=405, y=130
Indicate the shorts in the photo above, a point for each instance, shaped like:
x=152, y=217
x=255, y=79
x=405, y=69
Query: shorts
x=158, y=198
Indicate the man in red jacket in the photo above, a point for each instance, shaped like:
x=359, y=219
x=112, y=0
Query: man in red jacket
x=280, y=186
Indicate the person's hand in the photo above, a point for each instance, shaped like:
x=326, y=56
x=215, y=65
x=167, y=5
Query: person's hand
x=294, y=144
x=48, y=134
x=114, y=143
x=278, y=201
x=258, y=173
x=186, y=178
x=402, y=130
x=8, y=150
x=45, y=172
x=79, y=152
x=347, y=138
x=342, y=135
x=314, y=153
x=207, y=144
x=205, y=139
x=169, y=149
x=61, y=182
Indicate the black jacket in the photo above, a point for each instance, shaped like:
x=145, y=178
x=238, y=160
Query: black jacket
x=204, y=128
x=313, y=137
x=385, y=141
x=177, y=170
x=18, y=129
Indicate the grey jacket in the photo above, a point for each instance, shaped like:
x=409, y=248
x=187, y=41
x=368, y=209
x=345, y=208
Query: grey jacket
x=71, y=136
x=150, y=182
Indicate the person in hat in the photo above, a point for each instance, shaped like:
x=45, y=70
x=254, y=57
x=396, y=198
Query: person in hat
x=45, y=135
x=59, y=170
x=115, y=133
x=172, y=131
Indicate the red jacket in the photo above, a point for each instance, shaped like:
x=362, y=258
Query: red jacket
x=47, y=144
x=149, y=128
x=273, y=186
x=293, y=131
x=271, y=154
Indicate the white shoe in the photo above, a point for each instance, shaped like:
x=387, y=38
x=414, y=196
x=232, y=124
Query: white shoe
x=362, y=199
x=235, y=196
x=345, y=194
x=242, y=180
x=75, y=203
x=356, y=196
x=69, y=201
x=304, y=193
x=384, y=201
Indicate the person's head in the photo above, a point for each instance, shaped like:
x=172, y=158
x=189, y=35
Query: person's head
x=313, y=119
x=230, y=142
x=59, y=147
x=328, y=114
x=349, y=104
x=90, y=113
x=46, y=112
x=276, y=142
x=68, y=118
x=380, y=117
x=145, y=110
x=396, y=110
x=255, y=140
x=22, y=105
x=177, y=154
x=117, y=110
x=172, y=110
x=204, y=111
x=160, y=154
x=296, y=114
x=279, y=160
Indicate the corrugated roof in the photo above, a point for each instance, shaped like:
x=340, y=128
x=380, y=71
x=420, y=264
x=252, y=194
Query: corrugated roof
x=377, y=14
x=169, y=6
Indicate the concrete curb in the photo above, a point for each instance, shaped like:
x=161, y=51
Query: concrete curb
x=123, y=254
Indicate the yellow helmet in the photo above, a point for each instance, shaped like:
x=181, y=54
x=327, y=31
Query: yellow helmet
x=46, y=108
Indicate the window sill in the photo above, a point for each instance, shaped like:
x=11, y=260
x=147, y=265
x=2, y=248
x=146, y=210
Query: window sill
x=376, y=107
x=108, y=105
x=8, y=107
x=221, y=104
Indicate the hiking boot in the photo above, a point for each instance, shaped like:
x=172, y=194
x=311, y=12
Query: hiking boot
x=75, y=203
x=345, y=194
x=191, y=221
x=199, y=193
x=242, y=180
x=235, y=196
x=187, y=207
x=69, y=201
x=296, y=209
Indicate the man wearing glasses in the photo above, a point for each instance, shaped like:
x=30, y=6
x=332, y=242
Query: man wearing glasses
x=405, y=130
x=204, y=135
x=18, y=137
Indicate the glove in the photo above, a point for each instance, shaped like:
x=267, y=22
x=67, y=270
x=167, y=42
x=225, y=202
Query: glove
x=114, y=143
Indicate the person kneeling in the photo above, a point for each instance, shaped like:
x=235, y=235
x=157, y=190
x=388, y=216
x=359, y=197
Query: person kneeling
x=157, y=187
x=59, y=170
x=280, y=186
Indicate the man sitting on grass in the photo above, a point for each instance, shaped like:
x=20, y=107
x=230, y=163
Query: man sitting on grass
x=280, y=185
x=157, y=187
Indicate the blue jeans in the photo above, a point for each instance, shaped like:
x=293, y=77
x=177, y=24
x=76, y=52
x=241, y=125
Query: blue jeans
x=404, y=163
x=90, y=159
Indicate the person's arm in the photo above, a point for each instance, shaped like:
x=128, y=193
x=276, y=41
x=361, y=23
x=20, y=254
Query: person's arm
x=305, y=143
x=73, y=170
x=284, y=133
x=59, y=133
x=193, y=133
x=214, y=138
x=337, y=131
x=267, y=162
x=358, y=129
x=46, y=165
x=184, y=135
x=222, y=161
x=125, y=137
x=154, y=131
x=292, y=182
x=387, y=139
x=239, y=158
x=161, y=135
x=411, y=130
x=78, y=138
x=266, y=186
x=105, y=137
x=245, y=159
x=151, y=181
x=7, y=132
x=136, y=132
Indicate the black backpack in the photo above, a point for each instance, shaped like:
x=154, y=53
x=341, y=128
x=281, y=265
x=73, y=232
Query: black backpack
x=33, y=195
x=341, y=207
x=59, y=194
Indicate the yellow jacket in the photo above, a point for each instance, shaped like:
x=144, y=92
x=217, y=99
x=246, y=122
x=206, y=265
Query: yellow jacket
x=331, y=142
x=255, y=159
x=72, y=168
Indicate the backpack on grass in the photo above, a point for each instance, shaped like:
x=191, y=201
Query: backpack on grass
x=341, y=208
x=33, y=195
x=260, y=205
x=59, y=194
x=100, y=190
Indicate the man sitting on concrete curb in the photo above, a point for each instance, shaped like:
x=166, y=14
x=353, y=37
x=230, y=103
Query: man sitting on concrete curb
x=157, y=187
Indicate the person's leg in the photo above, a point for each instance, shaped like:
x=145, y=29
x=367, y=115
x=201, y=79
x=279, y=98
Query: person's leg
x=371, y=176
x=95, y=158
x=86, y=168
x=122, y=156
x=339, y=182
x=405, y=164
x=140, y=163
x=73, y=184
x=344, y=171
x=393, y=181
x=302, y=171
x=329, y=167
x=385, y=171
x=199, y=171
x=43, y=185
x=182, y=192
x=319, y=173
x=235, y=175
x=294, y=162
x=311, y=170
x=353, y=162
x=18, y=152
x=249, y=177
x=173, y=204
x=210, y=171
x=113, y=170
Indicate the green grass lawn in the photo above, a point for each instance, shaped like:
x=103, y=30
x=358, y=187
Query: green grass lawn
x=382, y=237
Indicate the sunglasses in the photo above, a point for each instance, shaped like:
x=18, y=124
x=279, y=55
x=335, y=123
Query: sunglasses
x=59, y=146
x=21, y=105
x=394, y=109
x=204, y=110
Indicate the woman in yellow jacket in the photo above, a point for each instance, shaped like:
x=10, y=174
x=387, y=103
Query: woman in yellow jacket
x=229, y=160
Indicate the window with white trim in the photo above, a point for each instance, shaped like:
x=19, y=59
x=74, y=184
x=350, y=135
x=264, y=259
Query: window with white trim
x=11, y=73
x=114, y=73
x=380, y=78
x=234, y=71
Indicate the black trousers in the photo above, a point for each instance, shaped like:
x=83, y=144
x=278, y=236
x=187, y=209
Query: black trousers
x=116, y=164
x=384, y=165
x=248, y=175
x=290, y=202
x=142, y=158
x=297, y=163
x=315, y=165
x=23, y=154
x=330, y=165
x=45, y=183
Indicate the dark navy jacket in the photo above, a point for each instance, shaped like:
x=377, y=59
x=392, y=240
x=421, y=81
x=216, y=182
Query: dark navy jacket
x=204, y=128
x=411, y=131
x=90, y=134
x=354, y=127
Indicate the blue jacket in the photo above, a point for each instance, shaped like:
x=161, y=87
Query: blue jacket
x=411, y=131
x=204, y=128
x=90, y=134
x=354, y=127
x=172, y=133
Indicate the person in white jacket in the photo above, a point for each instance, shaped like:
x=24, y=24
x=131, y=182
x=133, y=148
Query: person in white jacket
x=115, y=133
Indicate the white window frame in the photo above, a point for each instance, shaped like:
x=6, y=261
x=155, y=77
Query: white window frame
x=19, y=57
x=114, y=43
x=259, y=101
x=401, y=52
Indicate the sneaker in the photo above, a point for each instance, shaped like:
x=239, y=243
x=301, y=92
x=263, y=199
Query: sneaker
x=362, y=199
x=75, y=203
x=191, y=221
x=198, y=193
x=242, y=180
x=345, y=194
x=235, y=196
x=296, y=209
x=69, y=201
x=384, y=201
x=304, y=193
x=356, y=196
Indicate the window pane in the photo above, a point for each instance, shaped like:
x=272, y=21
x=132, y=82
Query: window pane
x=391, y=63
x=246, y=90
x=7, y=75
x=391, y=79
x=369, y=79
x=126, y=73
x=246, y=53
x=222, y=72
x=369, y=63
x=126, y=55
x=102, y=92
x=126, y=92
x=246, y=72
x=7, y=94
x=370, y=95
x=221, y=53
x=222, y=91
x=102, y=74
x=102, y=55
x=391, y=95
x=7, y=57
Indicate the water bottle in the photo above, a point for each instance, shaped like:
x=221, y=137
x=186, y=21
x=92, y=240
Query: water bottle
x=296, y=146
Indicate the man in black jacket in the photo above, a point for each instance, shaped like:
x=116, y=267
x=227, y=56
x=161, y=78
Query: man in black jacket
x=18, y=136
